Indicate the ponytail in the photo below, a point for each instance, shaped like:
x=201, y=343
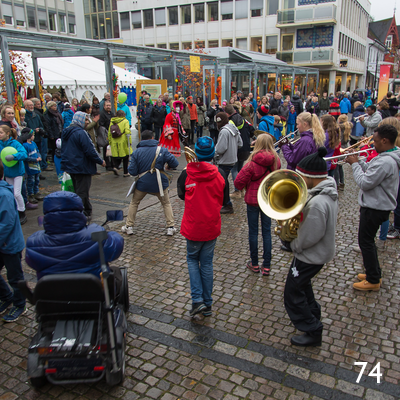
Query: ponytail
x=318, y=132
x=11, y=132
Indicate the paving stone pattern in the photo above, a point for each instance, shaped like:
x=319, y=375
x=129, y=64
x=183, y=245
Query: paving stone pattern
x=243, y=351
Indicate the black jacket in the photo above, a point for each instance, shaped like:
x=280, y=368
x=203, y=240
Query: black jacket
x=274, y=104
x=105, y=119
x=211, y=113
x=392, y=103
x=51, y=126
x=245, y=132
x=298, y=104
x=158, y=116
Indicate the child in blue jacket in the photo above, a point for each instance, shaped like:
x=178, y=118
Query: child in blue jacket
x=67, y=115
x=291, y=122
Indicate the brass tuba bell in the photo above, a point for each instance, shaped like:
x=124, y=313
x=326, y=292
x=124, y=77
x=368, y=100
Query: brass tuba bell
x=282, y=195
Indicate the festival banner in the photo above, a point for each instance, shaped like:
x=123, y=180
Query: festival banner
x=383, y=81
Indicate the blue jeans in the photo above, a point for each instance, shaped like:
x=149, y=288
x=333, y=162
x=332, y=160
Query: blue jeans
x=33, y=184
x=200, y=265
x=199, y=131
x=23, y=190
x=289, y=128
x=157, y=131
x=43, y=152
x=227, y=169
x=252, y=219
x=384, y=230
x=236, y=169
x=12, y=262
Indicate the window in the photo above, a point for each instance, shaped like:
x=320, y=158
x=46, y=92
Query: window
x=31, y=14
x=213, y=11
x=86, y=6
x=315, y=37
x=241, y=44
x=148, y=18
x=199, y=13
x=162, y=46
x=185, y=15
x=256, y=7
x=94, y=7
x=186, y=45
x=7, y=13
x=271, y=45
x=107, y=5
x=109, y=31
x=287, y=42
x=42, y=16
x=226, y=9
x=241, y=7
x=19, y=14
x=102, y=27
x=273, y=6
x=87, y=27
x=136, y=19
x=213, y=43
x=115, y=23
x=159, y=15
x=173, y=15
x=52, y=21
x=71, y=24
x=95, y=27
x=100, y=5
x=388, y=43
x=174, y=46
x=125, y=21
x=200, y=44
x=227, y=43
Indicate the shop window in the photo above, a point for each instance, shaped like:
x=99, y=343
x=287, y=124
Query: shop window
x=109, y=31
x=148, y=18
x=102, y=27
x=162, y=45
x=174, y=46
x=241, y=44
x=227, y=43
x=271, y=45
x=95, y=27
x=226, y=9
x=199, y=13
x=200, y=44
x=186, y=14
x=213, y=11
x=136, y=19
x=186, y=45
x=124, y=21
x=213, y=43
x=173, y=16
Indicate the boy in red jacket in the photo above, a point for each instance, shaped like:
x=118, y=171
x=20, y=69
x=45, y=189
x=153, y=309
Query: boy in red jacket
x=204, y=188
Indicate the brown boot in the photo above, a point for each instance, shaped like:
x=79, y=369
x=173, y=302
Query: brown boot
x=363, y=277
x=365, y=286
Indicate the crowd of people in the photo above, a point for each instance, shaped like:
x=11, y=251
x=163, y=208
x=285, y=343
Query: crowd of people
x=86, y=135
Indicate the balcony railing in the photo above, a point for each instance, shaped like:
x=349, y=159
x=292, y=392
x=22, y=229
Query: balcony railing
x=306, y=57
x=307, y=15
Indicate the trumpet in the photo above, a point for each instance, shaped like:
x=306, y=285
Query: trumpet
x=340, y=160
x=292, y=135
x=357, y=118
x=363, y=142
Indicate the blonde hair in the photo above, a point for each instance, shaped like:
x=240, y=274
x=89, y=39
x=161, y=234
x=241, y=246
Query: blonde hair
x=345, y=126
x=277, y=119
x=3, y=110
x=212, y=102
x=394, y=122
x=264, y=142
x=314, y=124
x=22, y=111
x=238, y=104
x=356, y=104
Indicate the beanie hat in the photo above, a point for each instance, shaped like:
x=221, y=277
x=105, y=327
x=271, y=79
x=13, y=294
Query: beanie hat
x=26, y=134
x=314, y=166
x=221, y=119
x=263, y=110
x=58, y=143
x=204, y=148
x=67, y=106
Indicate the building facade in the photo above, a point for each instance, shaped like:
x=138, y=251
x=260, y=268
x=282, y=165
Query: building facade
x=57, y=17
x=328, y=35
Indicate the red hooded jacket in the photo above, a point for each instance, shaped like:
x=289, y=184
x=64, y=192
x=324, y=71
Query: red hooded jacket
x=252, y=174
x=204, y=197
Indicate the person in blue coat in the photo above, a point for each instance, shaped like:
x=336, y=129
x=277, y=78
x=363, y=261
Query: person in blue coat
x=67, y=115
x=266, y=121
x=14, y=175
x=11, y=245
x=124, y=107
x=79, y=158
x=345, y=105
x=151, y=180
x=66, y=245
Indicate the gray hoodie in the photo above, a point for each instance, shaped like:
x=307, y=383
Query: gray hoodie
x=371, y=123
x=229, y=140
x=378, y=181
x=315, y=242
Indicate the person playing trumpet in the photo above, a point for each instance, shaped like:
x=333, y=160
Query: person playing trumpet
x=372, y=121
x=313, y=247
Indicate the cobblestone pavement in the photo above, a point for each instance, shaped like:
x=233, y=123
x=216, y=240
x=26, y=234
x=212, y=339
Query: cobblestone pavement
x=243, y=351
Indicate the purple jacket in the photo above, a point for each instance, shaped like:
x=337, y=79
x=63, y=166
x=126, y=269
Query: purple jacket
x=304, y=147
x=329, y=150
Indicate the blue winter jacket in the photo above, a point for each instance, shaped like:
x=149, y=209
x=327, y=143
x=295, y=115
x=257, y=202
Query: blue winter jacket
x=78, y=155
x=127, y=112
x=144, y=112
x=11, y=237
x=65, y=245
x=67, y=117
x=345, y=106
x=18, y=169
x=141, y=161
x=292, y=118
x=267, y=124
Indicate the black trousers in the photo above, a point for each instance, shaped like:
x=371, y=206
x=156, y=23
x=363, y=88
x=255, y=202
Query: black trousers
x=300, y=303
x=82, y=183
x=192, y=129
x=125, y=161
x=370, y=221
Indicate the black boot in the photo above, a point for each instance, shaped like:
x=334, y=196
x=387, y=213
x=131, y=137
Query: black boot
x=227, y=209
x=22, y=217
x=307, y=339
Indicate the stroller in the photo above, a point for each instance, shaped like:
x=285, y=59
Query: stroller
x=81, y=333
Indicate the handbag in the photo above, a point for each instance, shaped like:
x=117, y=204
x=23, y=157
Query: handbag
x=66, y=184
x=102, y=136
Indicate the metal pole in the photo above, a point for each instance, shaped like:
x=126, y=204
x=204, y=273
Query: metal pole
x=36, y=75
x=255, y=83
x=293, y=78
x=376, y=71
x=317, y=83
x=276, y=80
x=174, y=75
x=108, y=62
x=250, y=79
x=305, y=91
x=7, y=69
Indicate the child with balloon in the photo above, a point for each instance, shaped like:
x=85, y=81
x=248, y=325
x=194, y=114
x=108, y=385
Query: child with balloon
x=122, y=97
x=13, y=155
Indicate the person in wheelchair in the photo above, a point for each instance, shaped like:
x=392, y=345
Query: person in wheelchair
x=66, y=245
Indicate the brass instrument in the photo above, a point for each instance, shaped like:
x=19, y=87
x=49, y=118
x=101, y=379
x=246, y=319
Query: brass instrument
x=363, y=142
x=282, y=195
x=293, y=134
x=357, y=118
x=340, y=160
x=190, y=155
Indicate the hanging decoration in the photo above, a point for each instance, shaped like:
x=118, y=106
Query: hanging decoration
x=40, y=85
x=115, y=88
x=18, y=103
x=219, y=89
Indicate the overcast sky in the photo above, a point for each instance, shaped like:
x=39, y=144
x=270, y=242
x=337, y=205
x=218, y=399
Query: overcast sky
x=381, y=9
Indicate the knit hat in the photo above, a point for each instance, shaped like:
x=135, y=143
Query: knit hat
x=263, y=110
x=221, y=119
x=204, y=148
x=26, y=134
x=79, y=119
x=67, y=106
x=58, y=143
x=189, y=98
x=177, y=103
x=314, y=166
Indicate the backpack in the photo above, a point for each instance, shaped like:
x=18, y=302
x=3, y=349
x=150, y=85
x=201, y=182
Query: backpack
x=115, y=131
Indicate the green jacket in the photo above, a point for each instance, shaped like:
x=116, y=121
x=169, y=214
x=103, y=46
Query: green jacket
x=324, y=104
x=119, y=146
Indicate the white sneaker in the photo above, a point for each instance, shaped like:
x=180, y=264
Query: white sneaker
x=127, y=229
x=171, y=231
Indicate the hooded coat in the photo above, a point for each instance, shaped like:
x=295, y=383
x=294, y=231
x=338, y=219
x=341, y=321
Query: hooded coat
x=315, y=242
x=229, y=141
x=119, y=146
x=66, y=245
x=33, y=121
x=267, y=124
x=252, y=174
x=358, y=129
x=18, y=169
x=67, y=115
x=298, y=104
x=124, y=107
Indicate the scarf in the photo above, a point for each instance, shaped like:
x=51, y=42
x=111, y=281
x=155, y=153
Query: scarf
x=13, y=123
x=57, y=115
x=79, y=119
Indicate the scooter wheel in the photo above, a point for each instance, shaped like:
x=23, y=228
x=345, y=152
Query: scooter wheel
x=115, y=378
x=124, y=294
x=38, y=382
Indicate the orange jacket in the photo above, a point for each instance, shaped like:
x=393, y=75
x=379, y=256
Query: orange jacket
x=193, y=111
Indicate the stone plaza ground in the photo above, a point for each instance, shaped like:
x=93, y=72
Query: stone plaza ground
x=243, y=351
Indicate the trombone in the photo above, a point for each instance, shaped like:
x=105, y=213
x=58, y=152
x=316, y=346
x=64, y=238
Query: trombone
x=340, y=160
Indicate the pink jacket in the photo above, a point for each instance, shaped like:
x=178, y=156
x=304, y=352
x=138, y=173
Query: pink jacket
x=252, y=174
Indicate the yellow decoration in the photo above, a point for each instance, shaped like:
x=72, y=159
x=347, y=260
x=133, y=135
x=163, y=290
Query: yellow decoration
x=194, y=64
